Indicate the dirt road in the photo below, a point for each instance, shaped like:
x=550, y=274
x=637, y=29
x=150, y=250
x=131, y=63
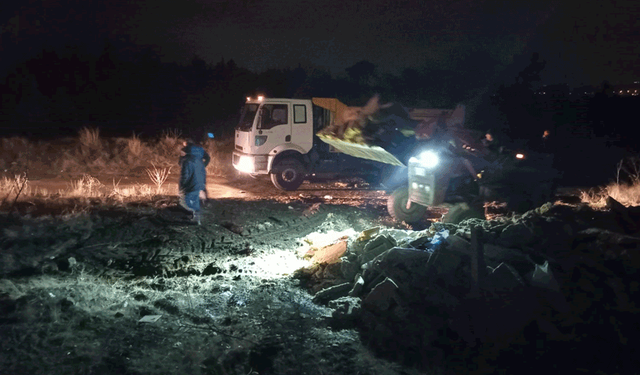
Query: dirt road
x=222, y=187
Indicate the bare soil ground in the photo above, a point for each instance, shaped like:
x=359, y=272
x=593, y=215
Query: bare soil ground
x=94, y=286
x=78, y=277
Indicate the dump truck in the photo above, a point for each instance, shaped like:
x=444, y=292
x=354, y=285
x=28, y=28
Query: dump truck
x=276, y=137
x=447, y=165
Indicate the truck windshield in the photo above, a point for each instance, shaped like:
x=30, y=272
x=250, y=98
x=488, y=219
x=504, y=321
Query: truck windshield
x=246, y=117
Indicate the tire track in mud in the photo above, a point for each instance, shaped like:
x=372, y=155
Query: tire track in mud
x=186, y=249
x=126, y=243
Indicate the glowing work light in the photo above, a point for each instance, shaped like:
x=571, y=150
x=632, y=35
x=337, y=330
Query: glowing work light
x=427, y=159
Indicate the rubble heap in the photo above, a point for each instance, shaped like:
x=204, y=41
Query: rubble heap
x=538, y=289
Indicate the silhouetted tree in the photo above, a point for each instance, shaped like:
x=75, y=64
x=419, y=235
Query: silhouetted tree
x=362, y=73
x=33, y=105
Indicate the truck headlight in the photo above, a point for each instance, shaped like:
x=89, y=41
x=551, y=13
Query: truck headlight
x=427, y=159
x=245, y=164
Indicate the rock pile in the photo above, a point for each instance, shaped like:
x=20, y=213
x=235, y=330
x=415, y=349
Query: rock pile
x=547, y=286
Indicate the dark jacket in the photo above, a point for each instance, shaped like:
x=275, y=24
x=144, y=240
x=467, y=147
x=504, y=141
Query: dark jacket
x=193, y=176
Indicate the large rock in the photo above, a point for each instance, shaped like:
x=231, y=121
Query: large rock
x=358, y=287
x=345, y=308
x=404, y=266
x=502, y=279
x=501, y=254
x=542, y=277
x=382, y=296
x=332, y=293
x=622, y=215
x=445, y=263
x=349, y=268
x=517, y=235
x=459, y=244
x=330, y=253
x=375, y=247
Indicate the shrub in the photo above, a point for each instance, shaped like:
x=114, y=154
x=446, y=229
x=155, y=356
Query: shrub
x=86, y=186
x=158, y=176
x=89, y=154
x=15, y=153
x=19, y=185
x=167, y=148
x=90, y=138
x=135, y=147
x=220, y=153
x=626, y=188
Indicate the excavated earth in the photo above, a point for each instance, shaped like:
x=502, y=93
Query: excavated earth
x=136, y=288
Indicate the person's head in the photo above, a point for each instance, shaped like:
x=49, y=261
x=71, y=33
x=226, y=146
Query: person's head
x=188, y=141
x=489, y=135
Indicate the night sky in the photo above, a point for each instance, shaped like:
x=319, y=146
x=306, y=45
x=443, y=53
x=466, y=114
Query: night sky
x=583, y=44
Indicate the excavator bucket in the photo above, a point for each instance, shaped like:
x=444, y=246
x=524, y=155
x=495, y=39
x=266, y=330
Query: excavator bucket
x=375, y=153
x=347, y=132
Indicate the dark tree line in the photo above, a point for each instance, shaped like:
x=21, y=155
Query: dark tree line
x=79, y=87
x=74, y=86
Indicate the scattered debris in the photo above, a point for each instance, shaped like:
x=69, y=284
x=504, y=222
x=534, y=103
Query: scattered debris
x=149, y=319
x=488, y=281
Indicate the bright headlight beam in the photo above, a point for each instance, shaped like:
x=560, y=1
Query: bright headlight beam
x=428, y=159
x=245, y=164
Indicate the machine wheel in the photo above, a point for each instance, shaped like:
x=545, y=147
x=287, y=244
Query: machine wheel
x=288, y=174
x=463, y=211
x=397, y=207
x=519, y=204
x=526, y=200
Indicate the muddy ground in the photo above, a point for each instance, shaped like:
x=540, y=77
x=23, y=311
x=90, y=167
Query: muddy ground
x=137, y=288
x=78, y=277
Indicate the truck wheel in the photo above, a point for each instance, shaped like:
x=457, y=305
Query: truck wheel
x=463, y=211
x=397, y=207
x=288, y=174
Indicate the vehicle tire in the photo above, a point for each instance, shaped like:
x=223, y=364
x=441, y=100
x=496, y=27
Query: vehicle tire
x=397, y=207
x=526, y=200
x=463, y=211
x=288, y=174
x=518, y=203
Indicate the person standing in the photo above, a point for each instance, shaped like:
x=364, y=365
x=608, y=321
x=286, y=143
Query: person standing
x=193, y=176
x=494, y=144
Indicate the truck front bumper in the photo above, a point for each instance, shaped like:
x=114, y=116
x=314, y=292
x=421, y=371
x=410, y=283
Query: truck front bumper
x=252, y=164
